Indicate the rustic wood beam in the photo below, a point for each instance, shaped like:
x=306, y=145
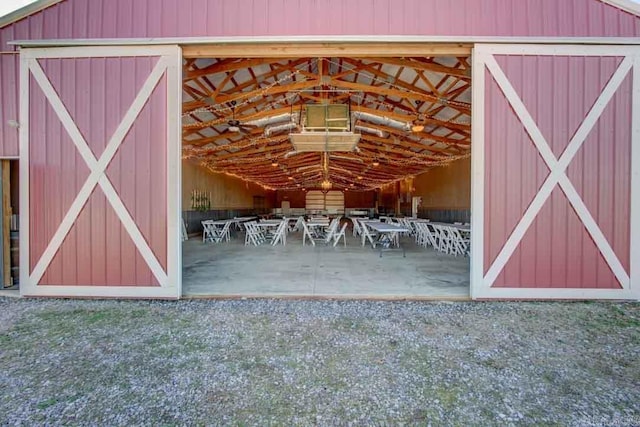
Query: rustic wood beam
x=316, y=50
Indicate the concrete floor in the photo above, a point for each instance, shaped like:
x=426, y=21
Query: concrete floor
x=232, y=269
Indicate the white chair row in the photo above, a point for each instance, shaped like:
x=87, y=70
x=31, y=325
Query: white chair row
x=443, y=238
x=254, y=235
x=332, y=234
x=212, y=233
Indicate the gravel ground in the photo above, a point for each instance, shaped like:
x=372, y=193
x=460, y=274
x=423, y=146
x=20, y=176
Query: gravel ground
x=280, y=362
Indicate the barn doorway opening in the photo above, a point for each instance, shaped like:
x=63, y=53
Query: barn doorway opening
x=9, y=225
x=370, y=142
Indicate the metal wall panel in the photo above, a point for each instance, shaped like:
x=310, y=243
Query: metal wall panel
x=557, y=251
x=98, y=251
x=80, y=19
x=9, y=65
x=199, y=18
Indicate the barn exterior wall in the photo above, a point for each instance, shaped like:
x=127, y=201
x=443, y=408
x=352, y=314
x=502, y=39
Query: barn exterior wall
x=9, y=93
x=557, y=252
x=113, y=19
x=553, y=191
x=83, y=19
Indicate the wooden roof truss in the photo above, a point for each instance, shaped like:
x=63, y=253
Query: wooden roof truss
x=387, y=98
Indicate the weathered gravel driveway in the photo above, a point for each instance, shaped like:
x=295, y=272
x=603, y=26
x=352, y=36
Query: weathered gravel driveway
x=280, y=362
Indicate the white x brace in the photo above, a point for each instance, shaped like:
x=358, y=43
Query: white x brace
x=98, y=169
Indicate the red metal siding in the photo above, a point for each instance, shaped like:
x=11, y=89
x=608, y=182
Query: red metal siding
x=557, y=250
x=200, y=18
x=208, y=18
x=98, y=250
x=9, y=74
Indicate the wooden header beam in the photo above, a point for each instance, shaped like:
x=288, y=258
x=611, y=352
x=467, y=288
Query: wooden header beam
x=319, y=50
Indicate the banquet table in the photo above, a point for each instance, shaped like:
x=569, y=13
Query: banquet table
x=388, y=236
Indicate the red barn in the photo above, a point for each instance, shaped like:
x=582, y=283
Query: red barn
x=122, y=117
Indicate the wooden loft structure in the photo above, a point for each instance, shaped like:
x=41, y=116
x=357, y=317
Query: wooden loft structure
x=411, y=113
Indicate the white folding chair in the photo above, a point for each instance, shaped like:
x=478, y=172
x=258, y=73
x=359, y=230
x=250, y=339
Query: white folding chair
x=367, y=234
x=434, y=235
x=422, y=235
x=306, y=234
x=280, y=236
x=298, y=225
x=459, y=244
x=356, y=227
x=218, y=235
x=184, y=234
x=339, y=234
x=333, y=227
x=444, y=235
x=209, y=231
x=254, y=235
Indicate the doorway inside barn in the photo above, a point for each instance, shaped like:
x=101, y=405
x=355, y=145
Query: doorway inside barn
x=327, y=175
x=9, y=227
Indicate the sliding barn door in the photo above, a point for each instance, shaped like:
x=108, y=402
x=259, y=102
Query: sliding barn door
x=556, y=164
x=100, y=172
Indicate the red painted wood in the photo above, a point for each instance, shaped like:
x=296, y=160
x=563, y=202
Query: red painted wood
x=81, y=19
x=202, y=18
x=98, y=92
x=557, y=250
x=9, y=75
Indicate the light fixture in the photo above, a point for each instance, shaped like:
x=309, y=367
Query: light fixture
x=290, y=178
x=352, y=184
x=326, y=184
x=359, y=177
x=274, y=164
x=376, y=163
x=418, y=125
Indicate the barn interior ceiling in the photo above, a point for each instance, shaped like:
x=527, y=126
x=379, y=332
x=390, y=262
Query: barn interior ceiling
x=402, y=116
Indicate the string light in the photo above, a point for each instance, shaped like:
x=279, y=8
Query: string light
x=414, y=160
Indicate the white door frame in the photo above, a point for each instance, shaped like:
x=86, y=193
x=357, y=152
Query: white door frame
x=169, y=65
x=484, y=62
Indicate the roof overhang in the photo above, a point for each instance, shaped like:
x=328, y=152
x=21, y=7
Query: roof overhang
x=625, y=5
x=26, y=11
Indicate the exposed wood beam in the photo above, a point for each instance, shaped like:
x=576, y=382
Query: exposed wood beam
x=426, y=66
x=297, y=50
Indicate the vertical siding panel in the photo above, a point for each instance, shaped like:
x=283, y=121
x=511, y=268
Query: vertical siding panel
x=558, y=92
x=170, y=18
x=98, y=251
x=9, y=72
x=198, y=18
x=260, y=23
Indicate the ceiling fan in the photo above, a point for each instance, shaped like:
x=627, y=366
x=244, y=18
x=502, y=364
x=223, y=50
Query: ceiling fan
x=234, y=125
x=418, y=124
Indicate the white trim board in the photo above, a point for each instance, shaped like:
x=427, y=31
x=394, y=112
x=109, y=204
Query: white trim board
x=628, y=6
x=484, y=62
x=169, y=64
x=477, y=171
x=635, y=177
x=192, y=41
